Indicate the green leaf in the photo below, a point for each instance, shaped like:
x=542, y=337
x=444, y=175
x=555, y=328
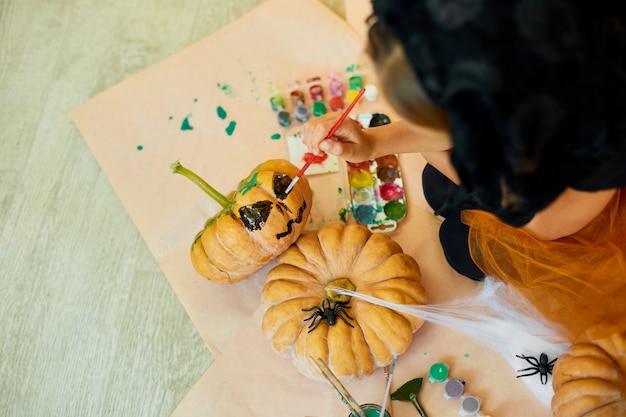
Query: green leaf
x=411, y=387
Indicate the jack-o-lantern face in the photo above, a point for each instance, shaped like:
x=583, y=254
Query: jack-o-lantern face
x=255, y=215
x=257, y=223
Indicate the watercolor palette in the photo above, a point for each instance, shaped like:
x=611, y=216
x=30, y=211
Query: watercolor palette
x=376, y=189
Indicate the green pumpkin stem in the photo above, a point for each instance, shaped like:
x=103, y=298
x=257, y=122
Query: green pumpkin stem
x=220, y=198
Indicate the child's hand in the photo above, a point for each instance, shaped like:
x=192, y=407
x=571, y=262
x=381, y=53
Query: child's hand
x=350, y=141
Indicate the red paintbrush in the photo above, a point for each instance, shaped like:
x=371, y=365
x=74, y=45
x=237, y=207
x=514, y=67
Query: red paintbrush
x=331, y=132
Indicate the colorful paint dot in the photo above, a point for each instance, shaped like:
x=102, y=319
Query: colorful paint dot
x=342, y=214
x=186, y=125
x=340, y=190
x=171, y=117
x=231, y=128
x=275, y=136
x=466, y=355
x=221, y=113
x=139, y=147
x=195, y=100
x=225, y=88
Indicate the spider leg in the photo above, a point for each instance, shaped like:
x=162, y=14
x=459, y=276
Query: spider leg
x=344, y=320
x=313, y=308
x=544, y=378
x=528, y=374
x=531, y=360
x=315, y=323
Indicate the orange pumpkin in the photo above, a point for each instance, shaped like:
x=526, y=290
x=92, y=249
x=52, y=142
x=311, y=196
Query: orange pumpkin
x=589, y=379
x=257, y=222
x=357, y=337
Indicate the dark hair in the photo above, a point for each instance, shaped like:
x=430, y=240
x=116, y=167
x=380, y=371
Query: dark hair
x=398, y=81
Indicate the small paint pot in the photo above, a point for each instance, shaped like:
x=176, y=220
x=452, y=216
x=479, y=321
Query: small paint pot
x=371, y=410
x=284, y=118
x=317, y=92
x=355, y=82
x=278, y=102
x=336, y=103
x=371, y=92
x=297, y=97
x=301, y=113
x=395, y=210
x=438, y=372
x=336, y=88
x=470, y=406
x=454, y=388
x=319, y=108
x=352, y=95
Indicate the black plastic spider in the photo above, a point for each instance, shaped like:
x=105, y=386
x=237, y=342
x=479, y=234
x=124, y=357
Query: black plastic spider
x=540, y=366
x=328, y=313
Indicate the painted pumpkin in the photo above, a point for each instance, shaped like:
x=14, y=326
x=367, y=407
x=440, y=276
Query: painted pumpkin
x=589, y=379
x=257, y=222
x=305, y=317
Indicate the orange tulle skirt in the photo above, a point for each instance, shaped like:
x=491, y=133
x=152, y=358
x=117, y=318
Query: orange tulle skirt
x=577, y=282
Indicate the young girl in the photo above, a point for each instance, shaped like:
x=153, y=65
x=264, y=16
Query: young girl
x=519, y=107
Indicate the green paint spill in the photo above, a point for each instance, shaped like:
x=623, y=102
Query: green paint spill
x=227, y=89
x=139, y=147
x=186, y=125
x=221, y=113
x=275, y=136
x=342, y=214
x=231, y=128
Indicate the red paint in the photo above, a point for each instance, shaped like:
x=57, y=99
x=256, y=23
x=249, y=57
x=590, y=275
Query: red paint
x=317, y=159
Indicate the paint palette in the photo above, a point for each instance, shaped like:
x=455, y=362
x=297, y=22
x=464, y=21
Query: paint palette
x=376, y=189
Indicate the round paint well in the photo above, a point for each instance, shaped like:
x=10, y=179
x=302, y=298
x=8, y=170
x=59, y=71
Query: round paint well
x=391, y=191
x=371, y=410
x=438, y=372
x=365, y=214
x=390, y=160
x=470, y=406
x=395, y=210
x=359, y=179
x=387, y=173
x=454, y=388
x=365, y=165
x=362, y=195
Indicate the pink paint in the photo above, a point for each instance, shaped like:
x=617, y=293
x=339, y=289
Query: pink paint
x=391, y=191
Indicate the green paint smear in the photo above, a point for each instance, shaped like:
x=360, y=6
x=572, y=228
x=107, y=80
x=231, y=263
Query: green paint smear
x=275, y=136
x=353, y=68
x=225, y=88
x=231, y=128
x=340, y=190
x=466, y=355
x=342, y=214
x=139, y=147
x=186, y=125
x=221, y=113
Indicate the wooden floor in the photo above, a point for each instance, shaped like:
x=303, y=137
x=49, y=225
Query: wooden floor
x=89, y=325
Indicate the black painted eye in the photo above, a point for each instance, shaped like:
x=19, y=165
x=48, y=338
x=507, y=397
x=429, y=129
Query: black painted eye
x=255, y=215
x=280, y=183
